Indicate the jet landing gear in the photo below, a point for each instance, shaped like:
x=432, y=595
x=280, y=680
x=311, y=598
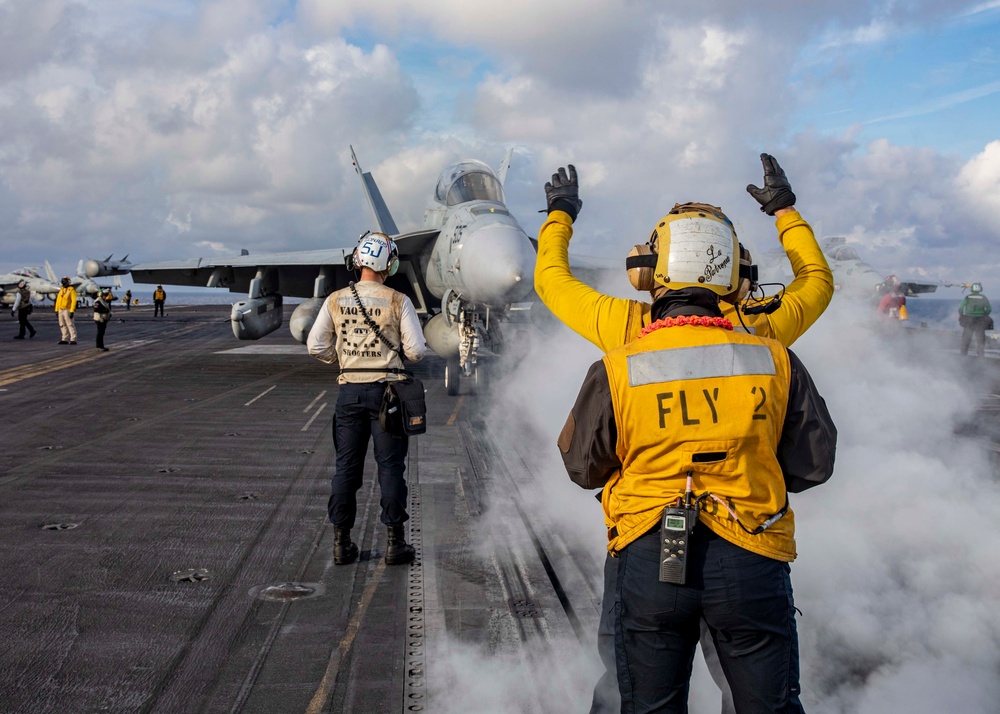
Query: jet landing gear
x=466, y=318
x=453, y=373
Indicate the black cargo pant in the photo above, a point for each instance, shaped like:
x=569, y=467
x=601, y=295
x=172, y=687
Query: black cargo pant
x=746, y=601
x=975, y=331
x=102, y=327
x=355, y=422
x=606, y=699
x=23, y=324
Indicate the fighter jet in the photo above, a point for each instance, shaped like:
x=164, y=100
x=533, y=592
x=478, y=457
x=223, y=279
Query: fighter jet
x=465, y=270
x=40, y=287
x=85, y=287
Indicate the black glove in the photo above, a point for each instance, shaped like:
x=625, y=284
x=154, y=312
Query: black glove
x=71, y=316
x=776, y=194
x=563, y=192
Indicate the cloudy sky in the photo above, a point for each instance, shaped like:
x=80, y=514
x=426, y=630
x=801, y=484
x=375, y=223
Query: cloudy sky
x=171, y=129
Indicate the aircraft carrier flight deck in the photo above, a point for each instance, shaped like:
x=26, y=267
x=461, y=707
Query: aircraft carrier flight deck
x=165, y=547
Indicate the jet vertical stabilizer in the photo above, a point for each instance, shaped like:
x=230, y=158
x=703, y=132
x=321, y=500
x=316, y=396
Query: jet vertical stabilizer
x=504, y=165
x=375, y=201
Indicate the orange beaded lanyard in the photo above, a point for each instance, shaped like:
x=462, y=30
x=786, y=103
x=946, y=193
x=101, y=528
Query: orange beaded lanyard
x=700, y=320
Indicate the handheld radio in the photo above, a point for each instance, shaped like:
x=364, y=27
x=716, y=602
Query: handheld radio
x=675, y=538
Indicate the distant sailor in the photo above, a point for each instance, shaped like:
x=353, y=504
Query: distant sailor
x=128, y=300
x=974, y=317
x=102, y=315
x=159, y=297
x=65, y=308
x=367, y=328
x=892, y=305
x=22, y=308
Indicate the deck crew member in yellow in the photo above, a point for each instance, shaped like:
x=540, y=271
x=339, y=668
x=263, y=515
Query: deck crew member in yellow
x=609, y=322
x=719, y=425
x=65, y=307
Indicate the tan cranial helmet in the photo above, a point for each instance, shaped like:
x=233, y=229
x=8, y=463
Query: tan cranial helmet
x=694, y=246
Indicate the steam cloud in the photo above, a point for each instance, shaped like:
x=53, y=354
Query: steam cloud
x=897, y=577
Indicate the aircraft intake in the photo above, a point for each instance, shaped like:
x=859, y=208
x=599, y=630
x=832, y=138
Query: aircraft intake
x=304, y=317
x=254, y=318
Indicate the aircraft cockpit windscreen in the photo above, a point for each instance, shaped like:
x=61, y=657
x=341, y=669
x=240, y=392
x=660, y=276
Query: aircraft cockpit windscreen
x=845, y=253
x=468, y=181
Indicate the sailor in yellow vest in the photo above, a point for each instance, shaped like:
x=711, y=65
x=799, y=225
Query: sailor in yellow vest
x=610, y=322
x=697, y=432
x=159, y=297
x=65, y=307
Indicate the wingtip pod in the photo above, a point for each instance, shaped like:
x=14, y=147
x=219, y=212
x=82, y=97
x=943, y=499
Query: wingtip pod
x=101, y=268
x=256, y=317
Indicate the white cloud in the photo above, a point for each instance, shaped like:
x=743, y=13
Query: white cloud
x=979, y=184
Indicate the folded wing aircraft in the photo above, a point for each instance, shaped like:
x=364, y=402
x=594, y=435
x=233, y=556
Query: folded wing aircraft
x=464, y=270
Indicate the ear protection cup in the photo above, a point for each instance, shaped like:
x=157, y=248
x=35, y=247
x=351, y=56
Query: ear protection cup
x=393, y=266
x=641, y=263
x=747, y=279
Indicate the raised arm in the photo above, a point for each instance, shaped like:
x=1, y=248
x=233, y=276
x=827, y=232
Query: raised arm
x=602, y=319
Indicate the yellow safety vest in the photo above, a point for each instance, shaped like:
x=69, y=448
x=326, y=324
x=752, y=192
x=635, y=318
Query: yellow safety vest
x=709, y=402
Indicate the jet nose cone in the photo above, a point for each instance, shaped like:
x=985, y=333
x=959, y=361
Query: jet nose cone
x=498, y=264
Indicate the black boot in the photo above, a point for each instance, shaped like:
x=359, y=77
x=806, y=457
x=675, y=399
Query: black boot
x=398, y=551
x=344, y=551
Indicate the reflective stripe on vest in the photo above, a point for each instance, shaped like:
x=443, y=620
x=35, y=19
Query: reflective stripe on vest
x=702, y=362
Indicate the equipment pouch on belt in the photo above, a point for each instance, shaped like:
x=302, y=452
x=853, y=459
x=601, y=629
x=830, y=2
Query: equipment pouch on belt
x=404, y=410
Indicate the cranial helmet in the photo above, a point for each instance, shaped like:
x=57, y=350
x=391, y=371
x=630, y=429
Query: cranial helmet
x=21, y=283
x=693, y=246
x=65, y=281
x=976, y=287
x=378, y=252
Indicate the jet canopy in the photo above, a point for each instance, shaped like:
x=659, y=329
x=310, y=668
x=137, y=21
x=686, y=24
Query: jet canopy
x=845, y=253
x=468, y=181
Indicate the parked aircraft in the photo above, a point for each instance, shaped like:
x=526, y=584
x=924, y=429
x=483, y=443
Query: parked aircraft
x=40, y=287
x=85, y=287
x=464, y=270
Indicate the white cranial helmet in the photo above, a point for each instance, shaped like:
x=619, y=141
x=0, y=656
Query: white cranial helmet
x=378, y=252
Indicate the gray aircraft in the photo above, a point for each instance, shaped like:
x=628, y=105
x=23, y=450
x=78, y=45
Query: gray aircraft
x=40, y=287
x=85, y=286
x=465, y=271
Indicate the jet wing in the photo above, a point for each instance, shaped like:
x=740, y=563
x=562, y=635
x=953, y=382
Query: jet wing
x=296, y=270
x=292, y=274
